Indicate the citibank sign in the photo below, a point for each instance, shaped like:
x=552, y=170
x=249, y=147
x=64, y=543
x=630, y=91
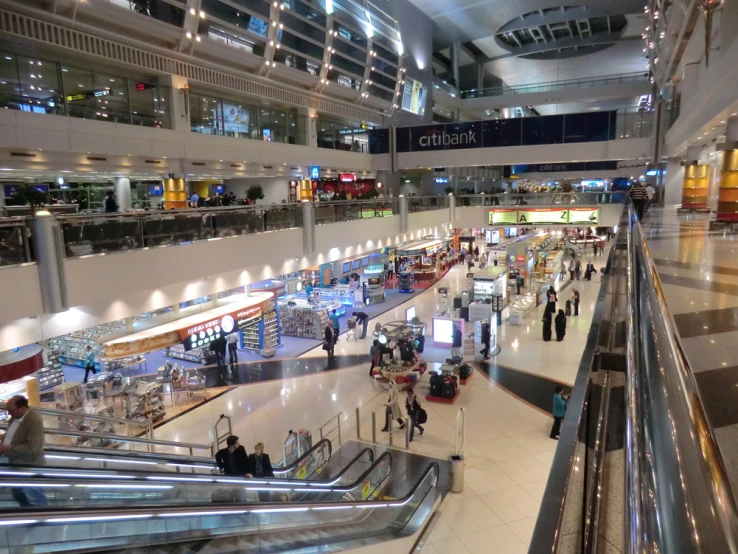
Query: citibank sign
x=436, y=137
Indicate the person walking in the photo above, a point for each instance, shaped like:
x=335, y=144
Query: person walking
x=218, y=346
x=559, y=411
x=23, y=445
x=456, y=341
x=469, y=261
x=335, y=324
x=260, y=466
x=232, y=341
x=363, y=319
x=551, y=299
x=476, y=252
x=595, y=246
x=575, y=299
x=233, y=460
x=89, y=363
x=482, y=261
x=639, y=197
x=497, y=259
x=330, y=343
x=560, y=326
x=375, y=352
x=111, y=206
x=651, y=194
x=486, y=341
x=392, y=409
x=578, y=269
x=571, y=270
x=412, y=407
x=547, y=320
x=562, y=271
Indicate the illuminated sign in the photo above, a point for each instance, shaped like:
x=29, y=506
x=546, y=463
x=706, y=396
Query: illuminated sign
x=543, y=216
x=346, y=177
x=315, y=173
x=584, y=216
x=441, y=180
x=373, y=269
x=85, y=95
x=503, y=216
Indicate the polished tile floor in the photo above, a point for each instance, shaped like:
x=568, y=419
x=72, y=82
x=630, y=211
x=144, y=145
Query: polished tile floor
x=698, y=269
x=507, y=449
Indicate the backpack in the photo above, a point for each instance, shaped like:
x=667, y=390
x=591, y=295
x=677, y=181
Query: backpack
x=422, y=416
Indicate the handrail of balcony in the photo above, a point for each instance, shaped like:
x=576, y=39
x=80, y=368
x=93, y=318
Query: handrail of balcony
x=441, y=84
x=548, y=86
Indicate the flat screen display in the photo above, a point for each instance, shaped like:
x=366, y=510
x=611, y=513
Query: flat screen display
x=346, y=267
x=410, y=314
x=156, y=190
x=355, y=264
x=413, y=97
x=443, y=330
x=235, y=119
x=219, y=189
x=365, y=261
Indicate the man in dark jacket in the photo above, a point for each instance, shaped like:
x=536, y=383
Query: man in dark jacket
x=363, y=320
x=219, y=347
x=456, y=339
x=111, y=206
x=233, y=460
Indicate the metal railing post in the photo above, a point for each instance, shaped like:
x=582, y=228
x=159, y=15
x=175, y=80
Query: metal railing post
x=321, y=433
x=338, y=421
x=374, y=427
x=408, y=427
x=391, y=434
x=358, y=426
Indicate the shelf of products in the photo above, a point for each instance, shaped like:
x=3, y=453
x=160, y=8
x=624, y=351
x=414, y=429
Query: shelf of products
x=250, y=333
x=203, y=356
x=72, y=348
x=145, y=401
x=117, y=363
x=10, y=389
x=68, y=397
x=303, y=319
x=97, y=408
x=51, y=373
x=270, y=330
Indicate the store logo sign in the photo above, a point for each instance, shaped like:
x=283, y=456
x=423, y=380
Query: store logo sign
x=441, y=138
x=315, y=173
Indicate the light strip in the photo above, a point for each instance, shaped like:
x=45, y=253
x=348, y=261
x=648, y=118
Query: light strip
x=279, y=483
x=267, y=489
x=188, y=514
x=111, y=461
x=88, y=475
x=96, y=518
x=53, y=457
x=147, y=487
x=313, y=490
x=24, y=473
x=185, y=479
x=17, y=521
x=236, y=481
x=372, y=505
x=268, y=510
x=29, y=484
x=334, y=508
x=191, y=465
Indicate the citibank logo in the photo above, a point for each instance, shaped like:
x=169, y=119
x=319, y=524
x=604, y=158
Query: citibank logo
x=435, y=137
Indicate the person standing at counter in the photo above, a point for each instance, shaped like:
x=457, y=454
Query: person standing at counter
x=519, y=282
x=456, y=340
x=232, y=341
x=111, y=206
x=335, y=324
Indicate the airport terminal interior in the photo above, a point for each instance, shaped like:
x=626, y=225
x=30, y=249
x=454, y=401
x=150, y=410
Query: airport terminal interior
x=383, y=276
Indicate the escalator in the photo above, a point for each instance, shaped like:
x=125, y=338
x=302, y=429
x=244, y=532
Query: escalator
x=131, y=511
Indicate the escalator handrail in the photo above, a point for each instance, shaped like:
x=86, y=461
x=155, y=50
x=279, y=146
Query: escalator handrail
x=41, y=515
x=678, y=496
x=53, y=476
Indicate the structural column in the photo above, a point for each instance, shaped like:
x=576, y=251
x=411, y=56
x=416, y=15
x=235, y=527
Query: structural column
x=451, y=208
x=727, y=207
x=123, y=193
x=175, y=194
x=696, y=181
x=455, y=53
x=49, y=253
x=308, y=227
x=402, y=210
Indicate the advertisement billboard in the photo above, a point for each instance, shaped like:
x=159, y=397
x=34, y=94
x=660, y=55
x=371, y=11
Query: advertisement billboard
x=503, y=216
x=543, y=216
x=235, y=119
x=584, y=216
x=413, y=97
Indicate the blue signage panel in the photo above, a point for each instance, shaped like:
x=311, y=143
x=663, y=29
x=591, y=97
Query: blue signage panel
x=570, y=166
x=315, y=173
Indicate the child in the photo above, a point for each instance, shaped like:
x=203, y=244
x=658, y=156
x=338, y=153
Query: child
x=568, y=307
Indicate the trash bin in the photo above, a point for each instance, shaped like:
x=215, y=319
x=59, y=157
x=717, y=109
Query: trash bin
x=457, y=472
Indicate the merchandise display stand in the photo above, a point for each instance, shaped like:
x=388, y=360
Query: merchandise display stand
x=442, y=400
x=73, y=347
x=444, y=385
x=203, y=356
x=68, y=397
x=261, y=332
x=145, y=401
x=305, y=320
x=51, y=374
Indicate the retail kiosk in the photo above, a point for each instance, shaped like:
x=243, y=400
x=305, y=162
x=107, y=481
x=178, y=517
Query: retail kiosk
x=421, y=255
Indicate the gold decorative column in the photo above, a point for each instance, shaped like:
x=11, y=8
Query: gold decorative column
x=696, y=184
x=727, y=208
x=175, y=194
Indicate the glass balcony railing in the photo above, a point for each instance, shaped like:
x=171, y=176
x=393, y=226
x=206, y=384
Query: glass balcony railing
x=637, y=77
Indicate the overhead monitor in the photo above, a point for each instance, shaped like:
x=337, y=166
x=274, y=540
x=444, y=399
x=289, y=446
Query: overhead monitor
x=346, y=267
x=355, y=264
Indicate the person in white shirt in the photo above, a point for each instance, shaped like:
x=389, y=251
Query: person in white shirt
x=232, y=341
x=651, y=193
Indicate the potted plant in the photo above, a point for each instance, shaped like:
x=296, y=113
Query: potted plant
x=255, y=193
x=28, y=195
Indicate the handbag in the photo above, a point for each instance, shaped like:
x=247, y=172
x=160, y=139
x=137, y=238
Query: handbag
x=325, y=346
x=422, y=416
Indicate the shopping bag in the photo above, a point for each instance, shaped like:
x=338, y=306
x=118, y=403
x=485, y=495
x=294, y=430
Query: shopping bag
x=422, y=416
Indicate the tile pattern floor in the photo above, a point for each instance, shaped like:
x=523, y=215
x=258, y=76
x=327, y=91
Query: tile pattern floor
x=698, y=268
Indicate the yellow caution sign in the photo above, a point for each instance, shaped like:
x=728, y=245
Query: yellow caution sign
x=302, y=470
x=366, y=490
